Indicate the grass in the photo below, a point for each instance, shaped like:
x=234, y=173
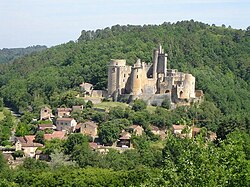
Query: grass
x=159, y=144
x=151, y=109
x=108, y=105
x=1, y=116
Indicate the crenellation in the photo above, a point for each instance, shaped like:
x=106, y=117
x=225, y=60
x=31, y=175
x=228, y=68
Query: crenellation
x=150, y=82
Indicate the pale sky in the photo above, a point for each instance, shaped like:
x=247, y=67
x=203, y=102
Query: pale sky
x=51, y=22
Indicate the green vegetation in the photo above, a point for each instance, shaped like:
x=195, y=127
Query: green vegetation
x=1, y=116
x=6, y=124
x=178, y=162
x=108, y=105
x=217, y=56
x=7, y=55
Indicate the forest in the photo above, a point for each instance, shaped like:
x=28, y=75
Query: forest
x=219, y=58
x=7, y=55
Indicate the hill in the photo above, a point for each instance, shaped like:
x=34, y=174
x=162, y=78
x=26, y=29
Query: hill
x=217, y=56
x=7, y=55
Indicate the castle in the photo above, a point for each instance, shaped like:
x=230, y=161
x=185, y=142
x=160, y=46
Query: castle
x=151, y=82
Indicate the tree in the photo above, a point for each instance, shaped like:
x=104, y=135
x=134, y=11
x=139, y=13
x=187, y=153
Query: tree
x=1, y=104
x=166, y=104
x=74, y=140
x=39, y=138
x=89, y=104
x=58, y=159
x=109, y=132
x=139, y=105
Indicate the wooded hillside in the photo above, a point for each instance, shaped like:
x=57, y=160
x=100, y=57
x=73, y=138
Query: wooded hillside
x=7, y=55
x=218, y=57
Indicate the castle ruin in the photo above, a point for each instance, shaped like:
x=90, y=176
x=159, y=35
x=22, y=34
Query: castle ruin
x=151, y=82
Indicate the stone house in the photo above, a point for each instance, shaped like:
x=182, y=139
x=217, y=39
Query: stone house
x=43, y=127
x=27, y=145
x=63, y=112
x=89, y=128
x=182, y=131
x=46, y=113
x=124, y=140
x=66, y=124
x=87, y=88
x=77, y=108
x=136, y=129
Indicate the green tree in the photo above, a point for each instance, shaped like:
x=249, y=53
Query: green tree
x=109, y=132
x=39, y=138
x=139, y=105
x=166, y=104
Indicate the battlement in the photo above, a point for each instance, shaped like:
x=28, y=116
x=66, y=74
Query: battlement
x=150, y=80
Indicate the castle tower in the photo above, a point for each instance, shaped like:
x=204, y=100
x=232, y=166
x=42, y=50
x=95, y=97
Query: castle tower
x=162, y=63
x=115, y=80
x=155, y=62
x=136, y=77
x=188, y=88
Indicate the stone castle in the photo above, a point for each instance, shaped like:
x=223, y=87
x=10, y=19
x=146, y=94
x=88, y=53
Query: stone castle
x=151, y=82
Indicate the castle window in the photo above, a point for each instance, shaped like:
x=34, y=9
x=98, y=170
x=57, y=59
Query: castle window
x=124, y=75
x=167, y=91
x=181, y=94
x=137, y=76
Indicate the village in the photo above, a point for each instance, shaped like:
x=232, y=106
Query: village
x=61, y=124
x=176, y=88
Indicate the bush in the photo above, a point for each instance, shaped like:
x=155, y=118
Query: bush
x=166, y=104
x=139, y=105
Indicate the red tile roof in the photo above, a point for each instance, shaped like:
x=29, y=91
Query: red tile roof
x=178, y=127
x=64, y=119
x=56, y=134
x=64, y=109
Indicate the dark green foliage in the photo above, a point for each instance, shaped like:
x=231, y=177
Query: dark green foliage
x=89, y=104
x=18, y=153
x=7, y=55
x=217, y=56
x=166, y=104
x=139, y=105
x=39, y=138
x=74, y=140
x=1, y=104
x=5, y=127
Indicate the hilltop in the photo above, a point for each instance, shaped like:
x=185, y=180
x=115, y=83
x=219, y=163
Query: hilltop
x=7, y=55
x=217, y=56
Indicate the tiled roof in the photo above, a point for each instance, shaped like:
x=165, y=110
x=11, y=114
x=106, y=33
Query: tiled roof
x=178, y=127
x=90, y=123
x=154, y=128
x=64, y=109
x=125, y=136
x=45, y=125
x=56, y=134
x=27, y=141
x=64, y=119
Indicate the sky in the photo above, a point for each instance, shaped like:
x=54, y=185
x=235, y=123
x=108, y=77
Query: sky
x=25, y=23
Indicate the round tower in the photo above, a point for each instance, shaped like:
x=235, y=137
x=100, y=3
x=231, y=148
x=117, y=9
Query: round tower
x=189, y=86
x=114, y=75
x=136, y=87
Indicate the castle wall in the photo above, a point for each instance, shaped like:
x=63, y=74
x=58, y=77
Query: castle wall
x=153, y=82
